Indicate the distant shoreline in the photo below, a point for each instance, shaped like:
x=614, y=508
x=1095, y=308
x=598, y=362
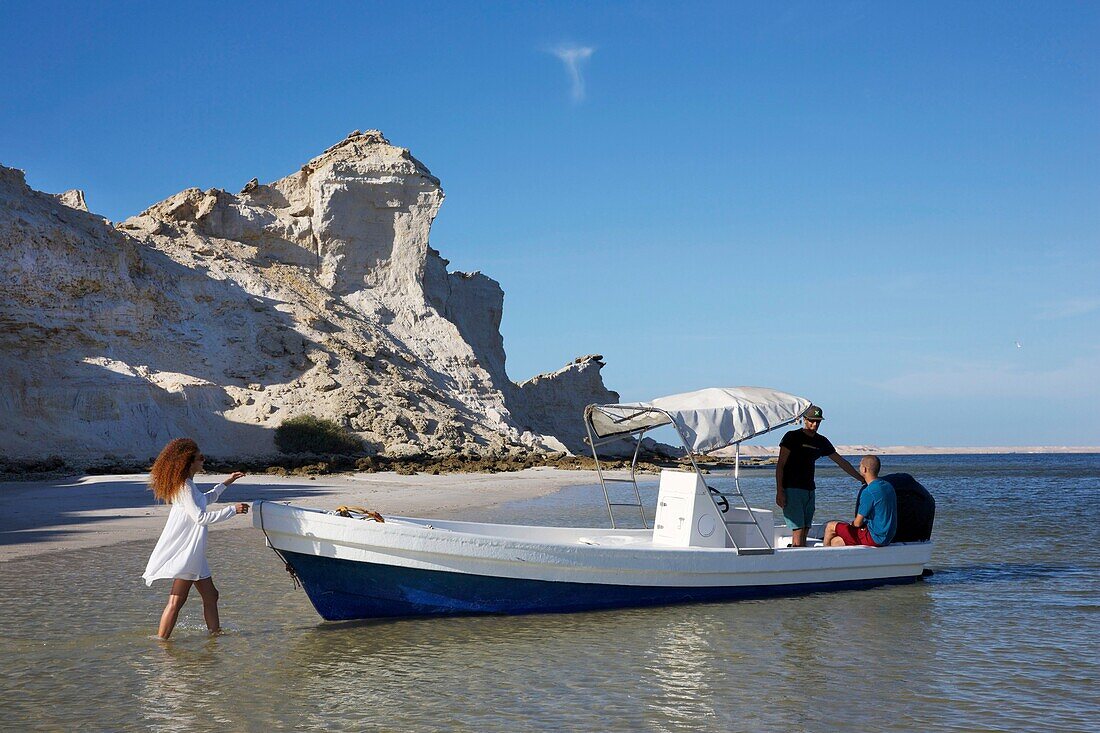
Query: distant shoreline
x=923, y=450
x=310, y=465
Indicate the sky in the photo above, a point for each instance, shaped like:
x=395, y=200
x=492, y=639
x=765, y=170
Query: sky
x=892, y=209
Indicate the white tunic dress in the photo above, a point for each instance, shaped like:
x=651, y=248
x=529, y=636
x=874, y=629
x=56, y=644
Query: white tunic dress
x=181, y=549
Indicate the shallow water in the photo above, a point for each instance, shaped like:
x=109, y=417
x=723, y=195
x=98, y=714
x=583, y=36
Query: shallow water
x=1005, y=636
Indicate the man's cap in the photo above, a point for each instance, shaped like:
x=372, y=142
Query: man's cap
x=813, y=412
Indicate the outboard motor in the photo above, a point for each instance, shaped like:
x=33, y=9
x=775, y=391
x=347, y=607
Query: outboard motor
x=916, y=508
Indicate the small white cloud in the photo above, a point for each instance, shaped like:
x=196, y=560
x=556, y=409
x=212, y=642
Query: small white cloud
x=573, y=56
x=967, y=379
x=1068, y=308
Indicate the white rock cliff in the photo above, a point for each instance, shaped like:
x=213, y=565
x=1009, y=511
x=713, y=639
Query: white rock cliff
x=219, y=315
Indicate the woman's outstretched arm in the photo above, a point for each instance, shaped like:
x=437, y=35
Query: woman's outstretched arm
x=187, y=501
x=215, y=492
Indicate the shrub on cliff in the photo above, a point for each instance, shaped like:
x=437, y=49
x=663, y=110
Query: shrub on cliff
x=309, y=434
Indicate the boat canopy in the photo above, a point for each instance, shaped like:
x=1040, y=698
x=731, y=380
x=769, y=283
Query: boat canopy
x=707, y=419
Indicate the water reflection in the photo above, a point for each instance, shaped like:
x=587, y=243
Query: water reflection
x=173, y=677
x=677, y=665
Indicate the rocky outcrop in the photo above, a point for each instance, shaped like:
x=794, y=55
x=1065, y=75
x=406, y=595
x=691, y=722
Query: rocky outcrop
x=219, y=315
x=548, y=401
x=73, y=198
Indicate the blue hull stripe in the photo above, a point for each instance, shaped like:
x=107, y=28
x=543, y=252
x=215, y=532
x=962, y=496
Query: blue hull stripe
x=341, y=590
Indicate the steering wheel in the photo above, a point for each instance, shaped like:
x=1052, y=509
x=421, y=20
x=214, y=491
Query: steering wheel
x=721, y=501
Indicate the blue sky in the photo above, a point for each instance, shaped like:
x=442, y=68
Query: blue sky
x=869, y=204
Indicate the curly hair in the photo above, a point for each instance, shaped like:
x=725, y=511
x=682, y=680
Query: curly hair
x=172, y=468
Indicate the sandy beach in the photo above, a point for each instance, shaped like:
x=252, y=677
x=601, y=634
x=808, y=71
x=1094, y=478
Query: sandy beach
x=94, y=511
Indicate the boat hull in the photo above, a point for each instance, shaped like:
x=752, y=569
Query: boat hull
x=343, y=590
x=354, y=569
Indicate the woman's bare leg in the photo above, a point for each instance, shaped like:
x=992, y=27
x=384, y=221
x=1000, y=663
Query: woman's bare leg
x=209, y=595
x=176, y=598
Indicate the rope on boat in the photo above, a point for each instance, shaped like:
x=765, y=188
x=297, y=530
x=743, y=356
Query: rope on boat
x=289, y=567
x=347, y=511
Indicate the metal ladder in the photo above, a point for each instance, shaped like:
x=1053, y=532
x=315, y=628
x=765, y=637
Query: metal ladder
x=633, y=480
x=769, y=549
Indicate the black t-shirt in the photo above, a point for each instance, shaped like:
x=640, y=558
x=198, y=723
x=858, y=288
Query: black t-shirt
x=805, y=449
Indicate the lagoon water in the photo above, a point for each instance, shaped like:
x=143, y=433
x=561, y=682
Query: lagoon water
x=1004, y=637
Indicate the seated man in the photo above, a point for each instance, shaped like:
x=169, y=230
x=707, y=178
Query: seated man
x=876, y=519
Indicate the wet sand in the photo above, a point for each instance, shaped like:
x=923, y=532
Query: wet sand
x=94, y=511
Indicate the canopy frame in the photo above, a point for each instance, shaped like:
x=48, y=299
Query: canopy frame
x=640, y=432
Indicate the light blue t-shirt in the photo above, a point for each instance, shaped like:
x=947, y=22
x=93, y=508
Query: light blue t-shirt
x=879, y=506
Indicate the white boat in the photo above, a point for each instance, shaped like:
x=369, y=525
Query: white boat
x=704, y=546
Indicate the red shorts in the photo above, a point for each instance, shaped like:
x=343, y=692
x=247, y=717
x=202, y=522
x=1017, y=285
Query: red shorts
x=854, y=535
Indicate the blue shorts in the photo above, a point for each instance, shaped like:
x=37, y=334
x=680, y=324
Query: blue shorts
x=799, y=512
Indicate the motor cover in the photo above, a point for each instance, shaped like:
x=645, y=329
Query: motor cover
x=916, y=508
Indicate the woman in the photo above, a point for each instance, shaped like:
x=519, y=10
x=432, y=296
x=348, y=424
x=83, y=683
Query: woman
x=180, y=553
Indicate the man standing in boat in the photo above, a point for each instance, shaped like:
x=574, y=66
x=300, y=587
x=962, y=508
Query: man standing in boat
x=794, y=474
